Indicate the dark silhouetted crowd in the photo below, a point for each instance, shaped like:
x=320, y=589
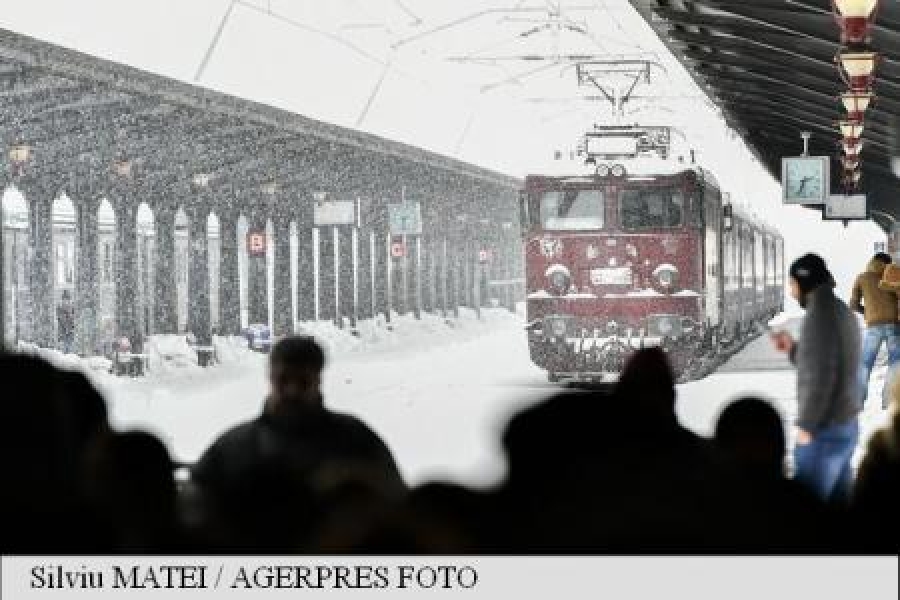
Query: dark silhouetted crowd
x=588, y=472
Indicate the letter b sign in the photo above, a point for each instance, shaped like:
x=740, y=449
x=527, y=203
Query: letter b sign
x=256, y=243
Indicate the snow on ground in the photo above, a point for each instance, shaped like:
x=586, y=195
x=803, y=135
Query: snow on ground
x=438, y=394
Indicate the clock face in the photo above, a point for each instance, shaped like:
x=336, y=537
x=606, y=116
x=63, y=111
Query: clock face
x=805, y=179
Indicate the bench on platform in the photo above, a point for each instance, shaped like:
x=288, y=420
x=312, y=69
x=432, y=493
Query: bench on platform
x=206, y=355
x=130, y=363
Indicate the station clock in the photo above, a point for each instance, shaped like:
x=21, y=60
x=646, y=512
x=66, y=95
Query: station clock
x=805, y=179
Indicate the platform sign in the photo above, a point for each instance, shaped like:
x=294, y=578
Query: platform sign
x=839, y=207
x=334, y=213
x=398, y=249
x=405, y=218
x=256, y=243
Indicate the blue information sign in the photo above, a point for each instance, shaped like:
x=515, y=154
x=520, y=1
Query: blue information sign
x=405, y=219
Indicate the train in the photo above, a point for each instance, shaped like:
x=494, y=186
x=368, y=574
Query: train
x=644, y=252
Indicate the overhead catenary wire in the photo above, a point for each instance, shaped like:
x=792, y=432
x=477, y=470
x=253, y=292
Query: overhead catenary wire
x=217, y=37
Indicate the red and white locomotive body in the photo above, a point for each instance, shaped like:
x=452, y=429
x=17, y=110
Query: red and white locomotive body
x=623, y=259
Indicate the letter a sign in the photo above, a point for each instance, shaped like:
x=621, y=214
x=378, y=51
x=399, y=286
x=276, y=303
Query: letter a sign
x=256, y=243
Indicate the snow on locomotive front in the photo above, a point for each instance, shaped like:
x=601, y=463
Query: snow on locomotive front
x=619, y=259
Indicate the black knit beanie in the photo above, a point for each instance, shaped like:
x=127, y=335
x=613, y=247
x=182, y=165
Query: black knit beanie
x=810, y=272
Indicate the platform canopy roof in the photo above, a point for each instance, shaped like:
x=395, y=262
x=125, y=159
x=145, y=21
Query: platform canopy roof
x=771, y=67
x=76, y=112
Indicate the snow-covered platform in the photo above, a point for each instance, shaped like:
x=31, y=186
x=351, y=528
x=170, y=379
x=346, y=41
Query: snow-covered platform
x=438, y=394
x=759, y=355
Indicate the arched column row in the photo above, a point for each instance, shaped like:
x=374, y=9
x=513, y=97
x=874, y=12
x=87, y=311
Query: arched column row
x=341, y=274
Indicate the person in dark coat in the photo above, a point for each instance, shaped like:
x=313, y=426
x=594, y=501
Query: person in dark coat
x=786, y=515
x=65, y=320
x=829, y=399
x=876, y=496
x=46, y=432
x=614, y=474
x=296, y=431
x=129, y=478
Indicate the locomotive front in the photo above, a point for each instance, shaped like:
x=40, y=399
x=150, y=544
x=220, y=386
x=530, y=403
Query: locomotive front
x=614, y=263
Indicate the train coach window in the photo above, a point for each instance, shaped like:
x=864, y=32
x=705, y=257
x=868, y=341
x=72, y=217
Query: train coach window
x=572, y=209
x=651, y=209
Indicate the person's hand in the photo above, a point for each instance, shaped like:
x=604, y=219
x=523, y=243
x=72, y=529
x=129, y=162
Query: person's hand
x=803, y=437
x=783, y=342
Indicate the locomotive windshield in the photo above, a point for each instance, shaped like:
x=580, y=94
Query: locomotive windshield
x=652, y=208
x=572, y=209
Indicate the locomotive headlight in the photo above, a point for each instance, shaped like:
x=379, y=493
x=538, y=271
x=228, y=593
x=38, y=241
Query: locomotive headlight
x=556, y=326
x=665, y=327
x=668, y=326
x=560, y=278
x=602, y=170
x=617, y=170
x=666, y=276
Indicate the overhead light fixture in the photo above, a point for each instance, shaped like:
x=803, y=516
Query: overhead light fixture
x=858, y=68
x=852, y=177
x=123, y=168
x=202, y=179
x=855, y=19
x=19, y=154
x=855, y=8
x=850, y=162
x=851, y=129
x=852, y=146
x=856, y=104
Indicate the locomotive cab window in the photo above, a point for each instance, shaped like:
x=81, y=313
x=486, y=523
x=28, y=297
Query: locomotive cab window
x=661, y=208
x=572, y=209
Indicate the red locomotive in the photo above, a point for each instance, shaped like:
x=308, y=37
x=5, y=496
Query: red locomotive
x=642, y=252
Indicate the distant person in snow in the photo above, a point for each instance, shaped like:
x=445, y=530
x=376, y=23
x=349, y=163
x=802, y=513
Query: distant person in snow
x=827, y=358
x=65, y=320
x=295, y=432
x=877, y=301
